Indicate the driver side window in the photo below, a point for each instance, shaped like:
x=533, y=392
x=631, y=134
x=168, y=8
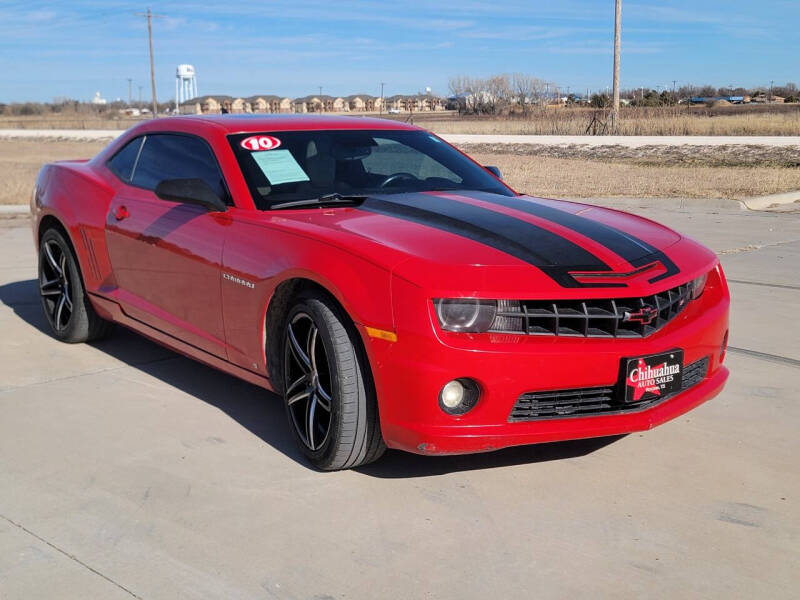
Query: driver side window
x=173, y=156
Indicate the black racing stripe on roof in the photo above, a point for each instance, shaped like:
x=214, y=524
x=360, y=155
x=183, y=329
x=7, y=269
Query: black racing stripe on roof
x=634, y=250
x=550, y=252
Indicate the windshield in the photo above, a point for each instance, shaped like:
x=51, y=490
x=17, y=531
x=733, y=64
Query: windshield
x=284, y=166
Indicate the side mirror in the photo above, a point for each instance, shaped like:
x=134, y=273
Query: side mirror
x=494, y=171
x=190, y=191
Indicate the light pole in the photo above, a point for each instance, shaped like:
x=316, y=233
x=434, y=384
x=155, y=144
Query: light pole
x=381, y=108
x=150, y=16
x=617, y=44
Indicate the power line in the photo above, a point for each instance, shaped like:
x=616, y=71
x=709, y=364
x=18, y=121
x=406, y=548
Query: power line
x=150, y=16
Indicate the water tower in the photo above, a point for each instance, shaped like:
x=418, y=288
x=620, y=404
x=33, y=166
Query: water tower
x=185, y=84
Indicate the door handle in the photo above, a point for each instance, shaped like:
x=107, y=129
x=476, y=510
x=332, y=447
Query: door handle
x=121, y=213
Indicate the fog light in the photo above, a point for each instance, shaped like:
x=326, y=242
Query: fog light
x=459, y=396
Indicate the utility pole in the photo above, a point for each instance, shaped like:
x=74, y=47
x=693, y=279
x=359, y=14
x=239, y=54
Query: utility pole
x=321, y=101
x=771, y=84
x=130, y=96
x=140, y=99
x=150, y=16
x=382, y=84
x=617, y=36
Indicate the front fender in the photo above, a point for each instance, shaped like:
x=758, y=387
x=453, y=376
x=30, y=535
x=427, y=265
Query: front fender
x=258, y=259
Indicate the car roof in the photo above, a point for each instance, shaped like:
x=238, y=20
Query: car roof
x=245, y=123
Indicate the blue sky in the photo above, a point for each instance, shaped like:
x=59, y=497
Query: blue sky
x=50, y=49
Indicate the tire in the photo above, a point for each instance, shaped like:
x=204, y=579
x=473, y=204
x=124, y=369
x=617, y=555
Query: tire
x=327, y=387
x=66, y=306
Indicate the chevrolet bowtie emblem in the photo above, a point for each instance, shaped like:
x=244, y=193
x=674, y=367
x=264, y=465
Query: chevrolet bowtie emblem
x=645, y=315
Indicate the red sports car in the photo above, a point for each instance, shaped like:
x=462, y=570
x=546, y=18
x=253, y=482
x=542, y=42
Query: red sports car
x=390, y=289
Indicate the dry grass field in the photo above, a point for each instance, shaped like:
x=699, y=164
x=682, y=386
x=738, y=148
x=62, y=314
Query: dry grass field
x=730, y=120
x=577, y=178
x=732, y=172
x=20, y=161
x=576, y=172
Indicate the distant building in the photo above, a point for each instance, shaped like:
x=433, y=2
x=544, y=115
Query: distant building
x=98, y=100
x=269, y=103
x=765, y=98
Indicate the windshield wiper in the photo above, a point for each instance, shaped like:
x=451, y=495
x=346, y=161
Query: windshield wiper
x=326, y=200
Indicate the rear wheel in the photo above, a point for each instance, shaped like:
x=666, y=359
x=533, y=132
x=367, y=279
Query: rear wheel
x=327, y=388
x=68, y=310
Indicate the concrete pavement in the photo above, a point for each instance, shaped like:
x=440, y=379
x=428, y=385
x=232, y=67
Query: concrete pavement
x=129, y=471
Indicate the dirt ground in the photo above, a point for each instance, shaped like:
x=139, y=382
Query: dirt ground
x=571, y=172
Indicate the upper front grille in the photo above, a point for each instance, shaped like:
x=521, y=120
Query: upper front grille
x=618, y=317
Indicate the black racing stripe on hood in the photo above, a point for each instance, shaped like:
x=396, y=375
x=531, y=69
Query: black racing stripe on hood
x=637, y=252
x=550, y=252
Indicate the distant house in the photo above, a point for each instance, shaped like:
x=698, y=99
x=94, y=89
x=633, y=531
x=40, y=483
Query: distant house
x=315, y=103
x=340, y=105
x=269, y=103
x=357, y=103
x=205, y=105
x=240, y=105
x=366, y=103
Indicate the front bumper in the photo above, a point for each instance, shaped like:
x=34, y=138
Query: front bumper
x=410, y=372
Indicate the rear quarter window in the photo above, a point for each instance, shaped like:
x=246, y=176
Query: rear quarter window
x=123, y=162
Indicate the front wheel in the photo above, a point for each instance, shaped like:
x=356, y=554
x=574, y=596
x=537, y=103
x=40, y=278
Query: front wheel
x=327, y=388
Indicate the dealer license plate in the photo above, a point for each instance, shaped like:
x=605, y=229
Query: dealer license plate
x=654, y=376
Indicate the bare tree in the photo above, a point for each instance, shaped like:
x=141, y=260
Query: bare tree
x=527, y=90
x=458, y=89
x=498, y=93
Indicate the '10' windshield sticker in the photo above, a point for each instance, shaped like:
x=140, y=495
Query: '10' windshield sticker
x=260, y=142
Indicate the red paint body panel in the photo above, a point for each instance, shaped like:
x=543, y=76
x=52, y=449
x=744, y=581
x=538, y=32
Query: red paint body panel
x=160, y=270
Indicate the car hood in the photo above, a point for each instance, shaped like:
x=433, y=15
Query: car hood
x=447, y=240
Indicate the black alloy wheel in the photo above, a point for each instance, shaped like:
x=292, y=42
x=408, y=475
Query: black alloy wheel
x=327, y=386
x=55, y=285
x=307, y=381
x=68, y=310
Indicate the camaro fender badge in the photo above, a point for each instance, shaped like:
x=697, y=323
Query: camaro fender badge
x=260, y=142
x=644, y=315
x=239, y=280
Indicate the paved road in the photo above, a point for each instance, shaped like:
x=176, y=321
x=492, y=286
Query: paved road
x=628, y=141
x=128, y=471
x=458, y=138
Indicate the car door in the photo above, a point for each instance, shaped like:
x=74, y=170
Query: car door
x=166, y=255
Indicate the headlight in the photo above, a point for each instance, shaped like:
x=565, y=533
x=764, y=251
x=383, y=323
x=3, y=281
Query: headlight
x=696, y=286
x=465, y=315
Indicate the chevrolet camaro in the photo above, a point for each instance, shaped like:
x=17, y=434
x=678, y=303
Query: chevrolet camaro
x=391, y=290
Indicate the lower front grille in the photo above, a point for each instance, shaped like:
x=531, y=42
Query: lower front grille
x=584, y=402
